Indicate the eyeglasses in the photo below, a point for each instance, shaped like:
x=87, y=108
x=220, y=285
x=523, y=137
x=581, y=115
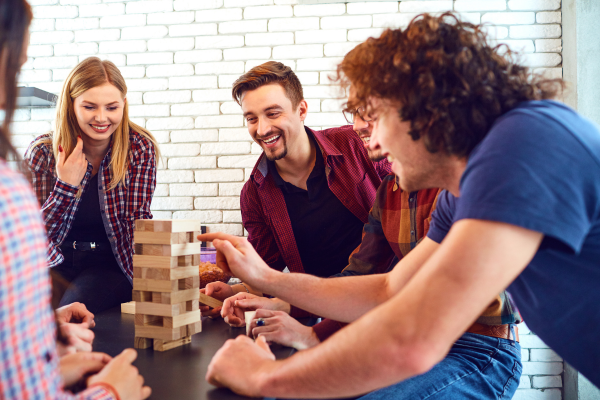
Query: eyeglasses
x=349, y=115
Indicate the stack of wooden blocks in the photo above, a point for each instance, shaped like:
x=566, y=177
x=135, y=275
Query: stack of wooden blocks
x=166, y=283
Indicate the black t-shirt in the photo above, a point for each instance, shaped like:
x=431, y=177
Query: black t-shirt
x=88, y=225
x=326, y=232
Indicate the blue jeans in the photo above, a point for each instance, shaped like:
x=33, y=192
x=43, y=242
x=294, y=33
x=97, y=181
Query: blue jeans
x=477, y=367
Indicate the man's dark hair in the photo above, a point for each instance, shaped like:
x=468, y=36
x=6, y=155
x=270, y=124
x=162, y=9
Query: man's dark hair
x=445, y=78
x=15, y=17
x=267, y=73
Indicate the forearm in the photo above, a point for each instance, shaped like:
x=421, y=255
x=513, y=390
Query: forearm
x=349, y=364
x=342, y=299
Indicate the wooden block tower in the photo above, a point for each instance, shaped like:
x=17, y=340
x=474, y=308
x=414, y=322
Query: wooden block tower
x=166, y=283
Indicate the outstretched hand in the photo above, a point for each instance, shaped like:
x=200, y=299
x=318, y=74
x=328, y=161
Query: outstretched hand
x=237, y=257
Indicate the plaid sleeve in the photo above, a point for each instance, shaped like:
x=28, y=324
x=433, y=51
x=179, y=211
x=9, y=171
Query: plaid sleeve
x=143, y=181
x=260, y=234
x=374, y=254
x=29, y=362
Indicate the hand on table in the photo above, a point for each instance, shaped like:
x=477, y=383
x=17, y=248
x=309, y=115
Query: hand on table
x=239, y=364
x=73, y=367
x=281, y=328
x=234, y=307
x=123, y=377
x=219, y=291
x=75, y=313
x=72, y=169
x=79, y=337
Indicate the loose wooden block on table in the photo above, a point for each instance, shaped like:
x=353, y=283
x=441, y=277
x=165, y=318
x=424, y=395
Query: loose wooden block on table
x=142, y=343
x=128, y=308
x=210, y=301
x=167, y=250
x=249, y=316
x=167, y=225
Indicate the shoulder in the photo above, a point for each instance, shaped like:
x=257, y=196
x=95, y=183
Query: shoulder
x=39, y=153
x=342, y=136
x=141, y=148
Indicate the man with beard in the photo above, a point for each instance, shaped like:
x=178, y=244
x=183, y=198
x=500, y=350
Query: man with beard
x=310, y=192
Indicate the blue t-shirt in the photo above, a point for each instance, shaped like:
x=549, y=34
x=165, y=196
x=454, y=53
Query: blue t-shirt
x=539, y=168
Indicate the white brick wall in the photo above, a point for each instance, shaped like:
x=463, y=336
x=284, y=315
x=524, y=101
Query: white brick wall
x=180, y=58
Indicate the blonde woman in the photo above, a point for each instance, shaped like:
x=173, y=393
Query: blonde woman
x=93, y=175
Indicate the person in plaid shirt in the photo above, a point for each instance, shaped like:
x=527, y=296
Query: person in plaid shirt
x=93, y=176
x=30, y=366
x=310, y=192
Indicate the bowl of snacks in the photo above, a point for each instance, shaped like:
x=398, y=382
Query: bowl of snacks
x=209, y=272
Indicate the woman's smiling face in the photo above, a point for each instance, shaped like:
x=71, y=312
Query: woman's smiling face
x=99, y=111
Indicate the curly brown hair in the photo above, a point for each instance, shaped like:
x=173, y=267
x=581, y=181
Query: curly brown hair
x=445, y=78
x=265, y=74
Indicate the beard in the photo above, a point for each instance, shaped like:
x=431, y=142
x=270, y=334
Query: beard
x=375, y=156
x=278, y=153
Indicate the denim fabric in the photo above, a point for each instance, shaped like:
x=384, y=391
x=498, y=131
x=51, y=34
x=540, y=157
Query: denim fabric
x=477, y=367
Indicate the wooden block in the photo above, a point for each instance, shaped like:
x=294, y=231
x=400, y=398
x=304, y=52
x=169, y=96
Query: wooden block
x=182, y=319
x=142, y=343
x=210, y=301
x=167, y=250
x=140, y=295
x=144, y=261
x=165, y=274
x=194, y=328
x=147, y=320
x=162, y=345
x=165, y=310
x=153, y=285
x=249, y=316
x=180, y=296
x=162, y=237
x=158, y=332
x=167, y=225
x=189, y=283
x=128, y=308
x=192, y=305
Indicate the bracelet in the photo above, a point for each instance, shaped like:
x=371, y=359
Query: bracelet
x=108, y=387
x=242, y=283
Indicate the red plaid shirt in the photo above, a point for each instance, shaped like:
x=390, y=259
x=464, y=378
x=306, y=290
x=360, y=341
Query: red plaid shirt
x=351, y=176
x=119, y=207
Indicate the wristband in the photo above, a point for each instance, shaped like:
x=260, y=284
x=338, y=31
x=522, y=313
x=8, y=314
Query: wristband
x=242, y=283
x=108, y=387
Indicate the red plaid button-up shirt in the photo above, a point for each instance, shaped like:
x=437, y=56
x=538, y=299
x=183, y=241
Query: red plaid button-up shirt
x=119, y=207
x=351, y=176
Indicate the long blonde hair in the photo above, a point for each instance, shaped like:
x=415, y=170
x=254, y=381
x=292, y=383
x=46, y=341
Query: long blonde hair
x=88, y=74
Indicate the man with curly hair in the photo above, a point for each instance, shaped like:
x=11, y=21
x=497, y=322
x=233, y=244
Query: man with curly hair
x=521, y=211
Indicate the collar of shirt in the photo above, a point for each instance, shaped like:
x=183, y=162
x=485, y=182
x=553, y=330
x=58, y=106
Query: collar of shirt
x=316, y=172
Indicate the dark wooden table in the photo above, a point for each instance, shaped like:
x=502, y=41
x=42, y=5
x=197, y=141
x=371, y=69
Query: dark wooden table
x=177, y=373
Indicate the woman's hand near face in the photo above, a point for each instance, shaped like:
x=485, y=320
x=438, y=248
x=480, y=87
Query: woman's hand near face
x=72, y=169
